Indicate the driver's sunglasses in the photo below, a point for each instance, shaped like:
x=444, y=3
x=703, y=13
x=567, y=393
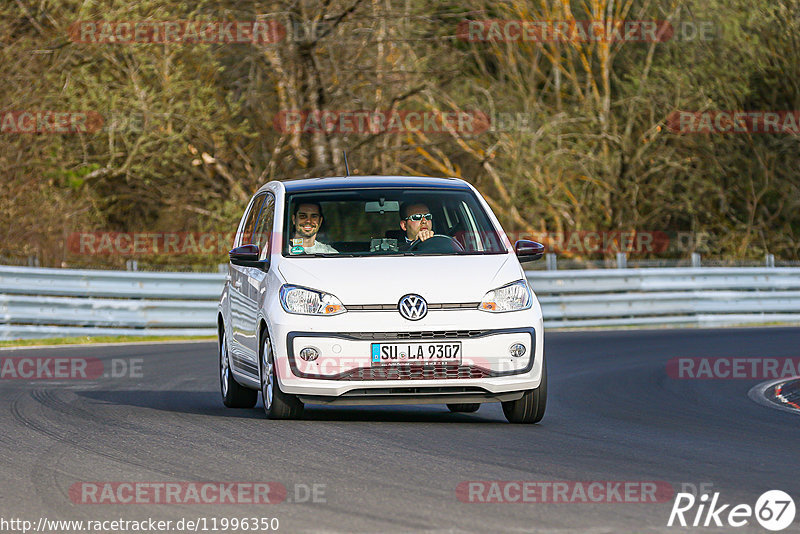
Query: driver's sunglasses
x=419, y=216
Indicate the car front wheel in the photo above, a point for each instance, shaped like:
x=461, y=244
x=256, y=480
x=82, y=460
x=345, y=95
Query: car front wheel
x=530, y=408
x=277, y=404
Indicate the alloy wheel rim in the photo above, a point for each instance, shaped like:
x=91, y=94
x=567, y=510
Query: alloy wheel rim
x=224, y=367
x=266, y=375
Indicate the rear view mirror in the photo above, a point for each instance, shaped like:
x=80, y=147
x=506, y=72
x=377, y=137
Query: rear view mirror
x=528, y=250
x=382, y=206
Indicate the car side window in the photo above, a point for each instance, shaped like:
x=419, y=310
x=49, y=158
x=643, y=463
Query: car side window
x=263, y=234
x=468, y=229
x=246, y=236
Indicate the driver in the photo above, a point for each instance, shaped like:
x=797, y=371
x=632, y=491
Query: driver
x=416, y=220
x=306, y=222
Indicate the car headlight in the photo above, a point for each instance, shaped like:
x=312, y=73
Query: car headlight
x=304, y=301
x=512, y=297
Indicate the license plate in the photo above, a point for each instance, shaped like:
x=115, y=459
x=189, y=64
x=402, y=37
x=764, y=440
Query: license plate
x=389, y=353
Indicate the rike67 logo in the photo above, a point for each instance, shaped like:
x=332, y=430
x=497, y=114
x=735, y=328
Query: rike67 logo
x=774, y=510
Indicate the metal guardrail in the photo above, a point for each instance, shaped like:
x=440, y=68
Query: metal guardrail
x=37, y=302
x=699, y=296
x=116, y=284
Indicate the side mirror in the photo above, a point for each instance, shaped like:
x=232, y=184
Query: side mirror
x=528, y=250
x=247, y=256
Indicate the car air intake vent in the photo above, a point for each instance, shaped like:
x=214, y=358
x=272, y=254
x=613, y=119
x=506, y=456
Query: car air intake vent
x=443, y=334
x=416, y=372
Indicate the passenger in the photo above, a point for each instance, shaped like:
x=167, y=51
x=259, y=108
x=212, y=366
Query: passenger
x=307, y=220
x=416, y=220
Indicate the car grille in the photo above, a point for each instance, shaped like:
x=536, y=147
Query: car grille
x=444, y=334
x=416, y=372
x=431, y=306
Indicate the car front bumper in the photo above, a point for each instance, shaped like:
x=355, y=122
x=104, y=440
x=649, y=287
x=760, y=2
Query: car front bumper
x=344, y=373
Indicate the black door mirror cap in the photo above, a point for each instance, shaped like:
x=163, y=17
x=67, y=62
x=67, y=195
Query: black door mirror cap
x=247, y=256
x=528, y=250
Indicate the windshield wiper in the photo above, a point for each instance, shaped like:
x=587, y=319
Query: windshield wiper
x=335, y=255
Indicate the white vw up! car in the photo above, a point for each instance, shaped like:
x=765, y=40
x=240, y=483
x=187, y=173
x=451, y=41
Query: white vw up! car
x=379, y=290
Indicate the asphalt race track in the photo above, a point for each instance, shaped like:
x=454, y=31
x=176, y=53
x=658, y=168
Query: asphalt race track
x=614, y=414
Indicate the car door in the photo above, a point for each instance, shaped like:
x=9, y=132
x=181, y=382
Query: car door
x=255, y=284
x=243, y=308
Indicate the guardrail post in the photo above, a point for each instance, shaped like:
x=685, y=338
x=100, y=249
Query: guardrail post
x=770, y=260
x=551, y=262
x=33, y=261
x=223, y=268
x=696, y=260
x=132, y=265
x=622, y=260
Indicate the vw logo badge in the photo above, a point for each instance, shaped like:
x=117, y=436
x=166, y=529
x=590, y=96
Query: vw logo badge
x=413, y=307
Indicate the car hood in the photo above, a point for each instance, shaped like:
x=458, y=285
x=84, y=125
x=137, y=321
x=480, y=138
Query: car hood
x=384, y=280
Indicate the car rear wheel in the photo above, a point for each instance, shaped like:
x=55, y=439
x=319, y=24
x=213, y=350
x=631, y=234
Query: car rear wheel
x=234, y=395
x=530, y=408
x=277, y=404
x=467, y=407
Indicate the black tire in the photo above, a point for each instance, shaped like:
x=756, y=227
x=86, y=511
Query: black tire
x=234, y=395
x=467, y=407
x=277, y=404
x=530, y=408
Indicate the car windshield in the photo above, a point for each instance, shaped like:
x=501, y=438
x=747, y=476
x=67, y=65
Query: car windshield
x=380, y=222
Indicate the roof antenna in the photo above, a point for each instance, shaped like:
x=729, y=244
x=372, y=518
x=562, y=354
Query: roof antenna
x=346, y=166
